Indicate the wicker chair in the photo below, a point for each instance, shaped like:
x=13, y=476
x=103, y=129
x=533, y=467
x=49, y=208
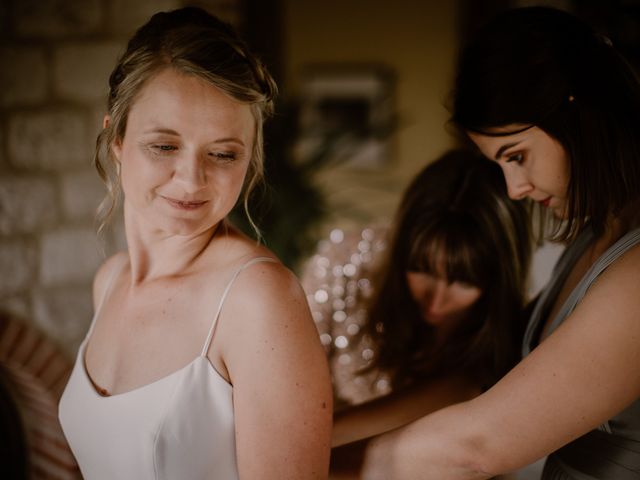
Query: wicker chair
x=34, y=373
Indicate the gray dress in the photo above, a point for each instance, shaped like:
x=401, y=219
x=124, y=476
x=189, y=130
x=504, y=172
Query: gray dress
x=611, y=452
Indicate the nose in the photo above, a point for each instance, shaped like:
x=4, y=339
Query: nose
x=518, y=185
x=190, y=173
x=438, y=300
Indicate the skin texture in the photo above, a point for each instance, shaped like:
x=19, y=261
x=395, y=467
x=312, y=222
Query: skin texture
x=183, y=161
x=578, y=377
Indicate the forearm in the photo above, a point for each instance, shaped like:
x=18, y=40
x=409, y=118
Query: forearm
x=443, y=445
x=368, y=420
x=399, y=409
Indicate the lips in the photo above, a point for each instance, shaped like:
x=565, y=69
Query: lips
x=545, y=202
x=185, y=204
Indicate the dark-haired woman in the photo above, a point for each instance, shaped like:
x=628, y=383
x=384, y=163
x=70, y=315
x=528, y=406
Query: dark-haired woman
x=558, y=109
x=202, y=361
x=441, y=325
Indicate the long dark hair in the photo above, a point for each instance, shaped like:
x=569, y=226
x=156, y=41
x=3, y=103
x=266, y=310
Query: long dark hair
x=544, y=67
x=458, y=206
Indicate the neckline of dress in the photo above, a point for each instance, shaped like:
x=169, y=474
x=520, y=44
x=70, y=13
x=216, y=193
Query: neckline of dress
x=94, y=387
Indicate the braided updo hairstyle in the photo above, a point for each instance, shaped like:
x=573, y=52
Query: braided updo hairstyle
x=194, y=42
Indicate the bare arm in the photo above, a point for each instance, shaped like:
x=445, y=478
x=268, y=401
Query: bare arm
x=400, y=408
x=579, y=377
x=281, y=385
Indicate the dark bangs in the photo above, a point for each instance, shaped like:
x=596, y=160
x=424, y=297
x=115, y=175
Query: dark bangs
x=449, y=247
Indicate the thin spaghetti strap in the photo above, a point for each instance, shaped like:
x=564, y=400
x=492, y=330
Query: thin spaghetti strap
x=212, y=330
x=109, y=286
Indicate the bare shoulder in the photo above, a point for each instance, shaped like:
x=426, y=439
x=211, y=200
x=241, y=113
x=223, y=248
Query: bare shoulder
x=271, y=350
x=266, y=309
x=267, y=290
x=628, y=262
x=617, y=286
x=104, y=274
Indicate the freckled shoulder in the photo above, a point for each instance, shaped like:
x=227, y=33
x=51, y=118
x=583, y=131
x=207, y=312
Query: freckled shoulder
x=266, y=298
x=268, y=284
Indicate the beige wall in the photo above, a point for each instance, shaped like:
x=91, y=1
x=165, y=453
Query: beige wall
x=418, y=41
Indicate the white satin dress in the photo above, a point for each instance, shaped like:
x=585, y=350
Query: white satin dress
x=178, y=427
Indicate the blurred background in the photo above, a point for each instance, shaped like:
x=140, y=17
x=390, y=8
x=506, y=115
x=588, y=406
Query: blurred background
x=364, y=86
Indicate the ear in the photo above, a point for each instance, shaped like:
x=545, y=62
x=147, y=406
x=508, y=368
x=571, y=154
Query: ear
x=116, y=146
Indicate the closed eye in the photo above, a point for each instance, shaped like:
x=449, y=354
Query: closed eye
x=164, y=148
x=223, y=156
x=515, y=157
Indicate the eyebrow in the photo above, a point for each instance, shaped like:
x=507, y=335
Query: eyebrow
x=503, y=148
x=162, y=130
x=169, y=131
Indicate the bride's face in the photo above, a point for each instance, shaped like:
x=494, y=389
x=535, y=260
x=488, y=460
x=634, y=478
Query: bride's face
x=184, y=155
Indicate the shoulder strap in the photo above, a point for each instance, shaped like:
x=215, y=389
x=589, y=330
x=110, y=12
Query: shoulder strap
x=551, y=290
x=212, y=330
x=614, y=252
x=115, y=270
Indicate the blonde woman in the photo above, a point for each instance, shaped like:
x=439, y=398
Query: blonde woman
x=202, y=360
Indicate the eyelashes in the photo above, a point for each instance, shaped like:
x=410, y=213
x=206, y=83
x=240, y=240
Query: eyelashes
x=516, y=157
x=223, y=156
x=168, y=150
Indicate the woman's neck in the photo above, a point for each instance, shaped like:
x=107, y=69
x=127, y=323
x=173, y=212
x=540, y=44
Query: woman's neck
x=155, y=253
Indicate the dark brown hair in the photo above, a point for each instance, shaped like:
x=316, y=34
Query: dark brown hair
x=457, y=206
x=544, y=67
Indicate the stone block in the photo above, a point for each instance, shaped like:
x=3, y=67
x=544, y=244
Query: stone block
x=82, y=192
x=81, y=72
x=24, y=81
x=126, y=16
x=68, y=255
x=17, y=264
x=26, y=204
x=57, y=18
x=64, y=314
x=50, y=140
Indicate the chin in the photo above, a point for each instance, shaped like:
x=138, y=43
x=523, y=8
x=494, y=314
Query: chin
x=182, y=226
x=560, y=213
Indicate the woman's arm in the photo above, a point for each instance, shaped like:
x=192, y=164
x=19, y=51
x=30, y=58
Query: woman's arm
x=281, y=385
x=399, y=408
x=579, y=377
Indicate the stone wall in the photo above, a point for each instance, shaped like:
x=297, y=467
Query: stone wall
x=56, y=56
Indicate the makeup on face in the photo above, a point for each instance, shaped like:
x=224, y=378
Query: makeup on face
x=535, y=165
